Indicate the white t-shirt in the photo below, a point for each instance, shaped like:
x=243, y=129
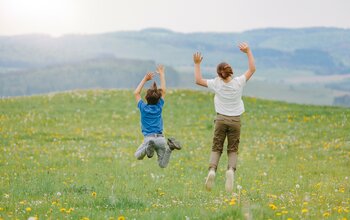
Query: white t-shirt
x=228, y=96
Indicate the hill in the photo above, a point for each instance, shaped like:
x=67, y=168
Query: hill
x=70, y=155
x=323, y=50
x=95, y=73
x=316, y=58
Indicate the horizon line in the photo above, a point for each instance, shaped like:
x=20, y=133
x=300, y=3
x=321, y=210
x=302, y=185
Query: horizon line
x=165, y=30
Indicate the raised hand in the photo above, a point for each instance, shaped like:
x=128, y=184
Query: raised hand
x=149, y=76
x=197, y=58
x=160, y=69
x=244, y=47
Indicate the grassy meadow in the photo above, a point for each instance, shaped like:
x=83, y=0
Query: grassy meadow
x=70, y=156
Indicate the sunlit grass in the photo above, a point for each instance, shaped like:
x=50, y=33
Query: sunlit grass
x=70, y=155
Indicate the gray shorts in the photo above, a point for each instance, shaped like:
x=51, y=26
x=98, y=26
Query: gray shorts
x=158, y=143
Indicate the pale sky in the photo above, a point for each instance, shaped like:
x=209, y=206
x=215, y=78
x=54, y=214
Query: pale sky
x=58, y=17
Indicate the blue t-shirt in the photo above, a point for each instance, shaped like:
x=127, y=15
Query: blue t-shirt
x=151, y=117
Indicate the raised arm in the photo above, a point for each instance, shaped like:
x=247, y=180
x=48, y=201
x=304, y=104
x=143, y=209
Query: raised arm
x=138, y=89
x=161, y=71
x=197, y=59
x=251, y=63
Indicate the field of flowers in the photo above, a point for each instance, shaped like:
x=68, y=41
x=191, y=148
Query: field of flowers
x=70, y=156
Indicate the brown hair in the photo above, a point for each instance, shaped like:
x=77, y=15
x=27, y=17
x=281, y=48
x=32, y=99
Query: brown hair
x=153, y=94
x=224, y=70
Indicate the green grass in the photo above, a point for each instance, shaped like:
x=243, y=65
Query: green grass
x=70, y=156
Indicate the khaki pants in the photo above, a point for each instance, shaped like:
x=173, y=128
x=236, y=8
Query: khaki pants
x=230, y=127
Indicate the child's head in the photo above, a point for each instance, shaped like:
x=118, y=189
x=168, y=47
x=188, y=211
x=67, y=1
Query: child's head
x=224, y=70
x=153, y=94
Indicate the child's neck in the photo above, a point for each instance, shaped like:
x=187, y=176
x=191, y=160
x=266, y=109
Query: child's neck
x=228, y=79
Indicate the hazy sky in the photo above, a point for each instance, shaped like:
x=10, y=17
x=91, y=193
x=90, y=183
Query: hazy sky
x=57, y=17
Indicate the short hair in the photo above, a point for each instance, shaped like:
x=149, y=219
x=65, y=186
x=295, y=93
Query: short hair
x=224, y=70
x=153, y=94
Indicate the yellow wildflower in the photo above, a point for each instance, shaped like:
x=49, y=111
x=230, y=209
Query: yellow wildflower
x=28, y=209
x=232, y=202
x=94, y=194
x=272, y=206
x=121, y=218
x=85, y=218
x=304, y=210
x=326, y=214
x=62, y=209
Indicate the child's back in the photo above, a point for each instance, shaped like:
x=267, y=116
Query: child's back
x=152, y=121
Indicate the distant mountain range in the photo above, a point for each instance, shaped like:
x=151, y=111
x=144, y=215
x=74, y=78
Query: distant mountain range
x=57, y=62
x=323, y=50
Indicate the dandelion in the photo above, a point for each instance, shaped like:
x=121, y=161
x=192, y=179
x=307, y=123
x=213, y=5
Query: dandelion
x=239, y=187
x=58, y=194
x=284, y=212
x=1, y=209
x=28, y=209
x=6, y=196
x=232, y=202
x=297, y=186
x=121, y=218
x=326, y=214
x=304, y=211
x=93, y=194
x=272, y=206
x=62, y=210
x=162, y=193
x=85, y=218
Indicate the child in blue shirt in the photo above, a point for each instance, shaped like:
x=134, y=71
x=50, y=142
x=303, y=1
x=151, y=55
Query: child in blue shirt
x=152, y=122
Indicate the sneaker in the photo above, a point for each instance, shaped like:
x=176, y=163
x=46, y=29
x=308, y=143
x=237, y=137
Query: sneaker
x=229, y=180
x=173, y=144
x=150, y=149
x=210, y=180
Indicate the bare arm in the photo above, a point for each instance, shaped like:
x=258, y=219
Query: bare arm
x=160, y=70
x=197, y=59
x=138, y=89
x=251, y=63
